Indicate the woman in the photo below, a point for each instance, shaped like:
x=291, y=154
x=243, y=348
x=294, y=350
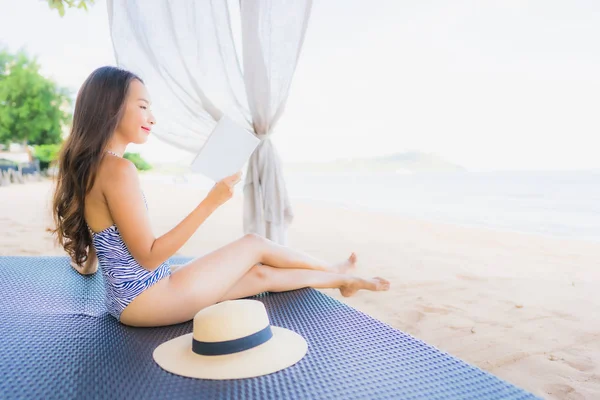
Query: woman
x=100, y=213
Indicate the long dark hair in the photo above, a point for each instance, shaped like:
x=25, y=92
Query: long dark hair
x=99, y=107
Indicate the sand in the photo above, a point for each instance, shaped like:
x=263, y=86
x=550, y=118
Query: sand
x=525, y=308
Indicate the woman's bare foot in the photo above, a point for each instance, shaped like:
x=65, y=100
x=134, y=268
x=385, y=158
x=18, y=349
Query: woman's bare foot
x=345, y=266
x=355, y=284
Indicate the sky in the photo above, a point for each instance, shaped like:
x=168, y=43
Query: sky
x=487, y=84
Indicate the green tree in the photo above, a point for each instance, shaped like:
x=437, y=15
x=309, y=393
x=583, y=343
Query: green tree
x=33, y=109
x=138, y=161
x=47, y=154
x=60, y=5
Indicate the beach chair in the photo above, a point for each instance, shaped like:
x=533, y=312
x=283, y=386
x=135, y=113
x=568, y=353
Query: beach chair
x=58, y=341
x=30, y=170
x=8, y=172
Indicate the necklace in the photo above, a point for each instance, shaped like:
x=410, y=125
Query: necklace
x=113, y=153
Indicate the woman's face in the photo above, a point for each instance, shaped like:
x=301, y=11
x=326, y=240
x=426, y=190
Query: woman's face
x=137, y=119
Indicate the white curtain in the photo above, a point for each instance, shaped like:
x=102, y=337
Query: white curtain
x=188, y=53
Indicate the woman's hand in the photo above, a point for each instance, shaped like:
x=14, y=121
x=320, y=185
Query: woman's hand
x=90, y=266
x=223, y=190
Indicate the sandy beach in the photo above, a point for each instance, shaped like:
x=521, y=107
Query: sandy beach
x=525, y=308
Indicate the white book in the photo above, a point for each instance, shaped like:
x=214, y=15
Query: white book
x=226, y=150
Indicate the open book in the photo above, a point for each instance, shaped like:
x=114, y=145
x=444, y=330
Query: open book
x=227, y=149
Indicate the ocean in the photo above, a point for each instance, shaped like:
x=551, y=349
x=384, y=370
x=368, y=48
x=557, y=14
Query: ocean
x=558, y=204
x=562, y=204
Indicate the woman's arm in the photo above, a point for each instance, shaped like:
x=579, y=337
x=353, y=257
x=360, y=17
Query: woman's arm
x=168, y=244
x=126, y=205
x=91, y=264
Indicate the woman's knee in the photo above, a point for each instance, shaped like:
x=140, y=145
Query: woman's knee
x=265, y=276
x=261, y=272
x=254, y=238
x=256, y=244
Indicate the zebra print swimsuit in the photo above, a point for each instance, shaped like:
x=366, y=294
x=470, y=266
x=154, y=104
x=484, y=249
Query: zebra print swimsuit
x=124, y=278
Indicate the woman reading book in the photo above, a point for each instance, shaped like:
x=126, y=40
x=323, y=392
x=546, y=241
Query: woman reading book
x=101, y=217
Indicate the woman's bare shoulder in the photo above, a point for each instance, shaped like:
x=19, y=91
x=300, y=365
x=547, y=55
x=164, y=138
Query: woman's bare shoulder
x=116, y=171
x=113, y=175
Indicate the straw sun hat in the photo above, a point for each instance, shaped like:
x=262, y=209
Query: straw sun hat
x=231, y=340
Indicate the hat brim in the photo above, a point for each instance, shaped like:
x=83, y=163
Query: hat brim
x=284, y=349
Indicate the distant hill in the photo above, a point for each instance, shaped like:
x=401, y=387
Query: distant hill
x=408, y=162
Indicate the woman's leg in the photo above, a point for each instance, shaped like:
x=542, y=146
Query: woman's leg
x=225, y=266
x=206, y=280
x=279, y=256
x=264, y=278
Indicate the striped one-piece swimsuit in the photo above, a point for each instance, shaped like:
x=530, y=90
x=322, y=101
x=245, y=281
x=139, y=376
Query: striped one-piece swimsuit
x=124, y=277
